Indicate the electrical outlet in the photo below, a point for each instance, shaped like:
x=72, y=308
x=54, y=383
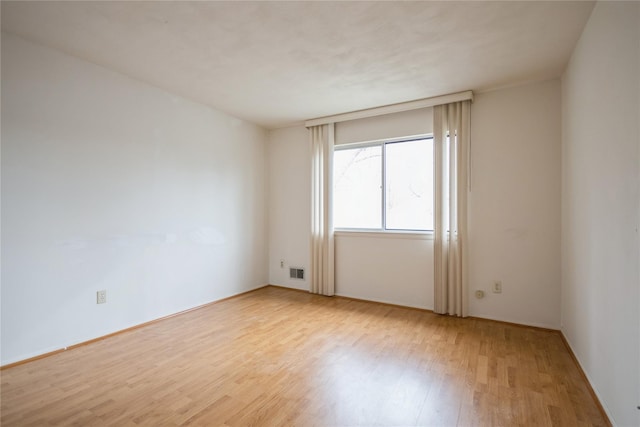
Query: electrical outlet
x=101, y=297
x=497, y=287
x=281, y=263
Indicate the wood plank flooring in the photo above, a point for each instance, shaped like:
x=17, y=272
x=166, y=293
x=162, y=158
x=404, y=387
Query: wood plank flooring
x=276, y=357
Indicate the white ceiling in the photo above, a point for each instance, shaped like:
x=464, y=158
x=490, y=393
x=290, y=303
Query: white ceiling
x=278, y=63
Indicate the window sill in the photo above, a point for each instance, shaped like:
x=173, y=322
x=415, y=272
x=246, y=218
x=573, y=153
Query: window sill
x=413, y=235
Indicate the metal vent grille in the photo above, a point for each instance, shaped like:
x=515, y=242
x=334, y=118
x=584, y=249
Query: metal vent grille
x=296, y=273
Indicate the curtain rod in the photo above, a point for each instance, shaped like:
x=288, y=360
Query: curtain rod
x=393, y=108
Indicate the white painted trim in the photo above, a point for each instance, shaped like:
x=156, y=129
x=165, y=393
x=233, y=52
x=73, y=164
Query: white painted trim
x=396, y=234
x=394, y=108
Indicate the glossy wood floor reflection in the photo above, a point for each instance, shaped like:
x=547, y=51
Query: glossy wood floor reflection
x=276, y=357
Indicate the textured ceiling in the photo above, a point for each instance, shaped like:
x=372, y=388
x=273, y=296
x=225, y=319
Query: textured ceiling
x=277, y=63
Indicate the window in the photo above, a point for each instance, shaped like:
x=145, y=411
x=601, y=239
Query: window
x=384, y=186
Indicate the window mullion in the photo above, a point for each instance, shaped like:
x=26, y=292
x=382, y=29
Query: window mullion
x=384, y=187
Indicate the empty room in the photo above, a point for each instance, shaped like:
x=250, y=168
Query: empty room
x=317, y=213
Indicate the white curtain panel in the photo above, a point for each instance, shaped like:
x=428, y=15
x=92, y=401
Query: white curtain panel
x=451, y=125
x=322, y=245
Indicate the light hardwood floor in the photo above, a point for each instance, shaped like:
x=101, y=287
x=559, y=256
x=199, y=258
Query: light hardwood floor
x=276, y=357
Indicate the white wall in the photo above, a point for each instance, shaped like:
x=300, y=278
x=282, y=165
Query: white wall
x=109, y=183
x=289, y=205
x=514, y=205
x=394, y=270
x=600, y=215
x=406, y=123
x=515, y=210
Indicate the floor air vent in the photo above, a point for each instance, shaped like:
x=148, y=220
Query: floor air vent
x=296, y=273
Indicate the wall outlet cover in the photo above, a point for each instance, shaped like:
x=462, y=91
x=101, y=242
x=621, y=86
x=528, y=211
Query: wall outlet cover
x=497, y=287
x=101, y=297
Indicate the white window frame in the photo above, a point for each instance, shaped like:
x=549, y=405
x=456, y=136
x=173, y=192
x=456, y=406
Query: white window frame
x=377, y=232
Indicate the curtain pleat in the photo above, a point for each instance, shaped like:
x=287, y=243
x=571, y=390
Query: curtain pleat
x=322, y=244
x=451, y=155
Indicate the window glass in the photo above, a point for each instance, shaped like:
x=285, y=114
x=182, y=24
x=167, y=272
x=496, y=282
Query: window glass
x=409, y=185
x=357, y=181
x=384, y=186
